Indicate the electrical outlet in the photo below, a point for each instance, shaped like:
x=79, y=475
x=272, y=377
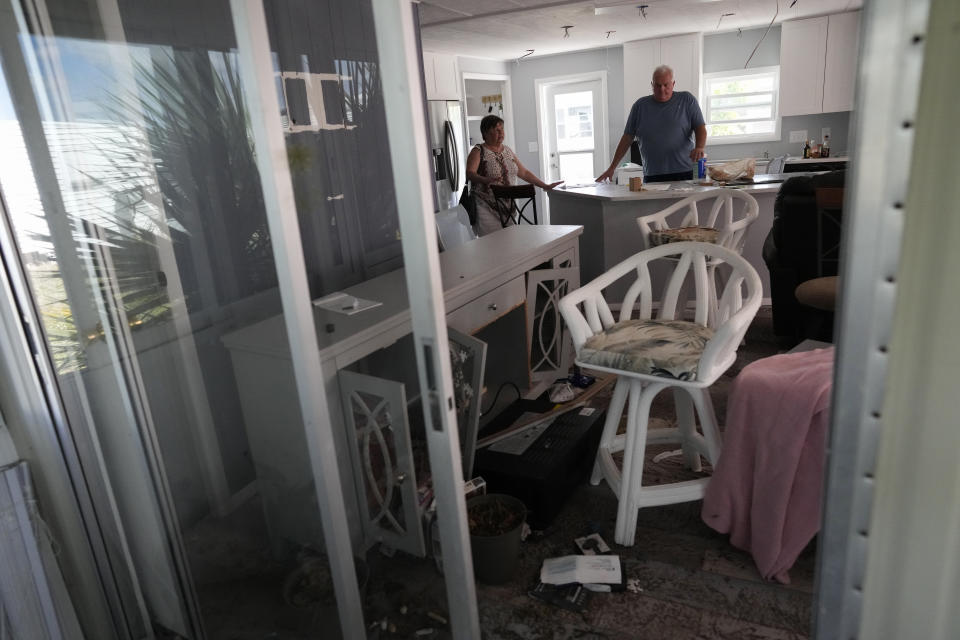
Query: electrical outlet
x=825, y=133
x=798, y=136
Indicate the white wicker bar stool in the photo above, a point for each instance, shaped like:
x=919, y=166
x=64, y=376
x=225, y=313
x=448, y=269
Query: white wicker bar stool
x=651, y=354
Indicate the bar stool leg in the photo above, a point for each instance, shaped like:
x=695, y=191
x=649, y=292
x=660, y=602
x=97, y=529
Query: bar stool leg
x=638, y=421
x=623, y=504
x=610, y=426
x=708, y=422
x=686, y=424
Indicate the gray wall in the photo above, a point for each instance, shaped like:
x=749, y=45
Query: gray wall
x=525, y=73
x=725, y=51
x=839, y=124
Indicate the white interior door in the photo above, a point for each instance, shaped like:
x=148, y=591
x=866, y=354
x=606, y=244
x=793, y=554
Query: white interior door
x=575, y=130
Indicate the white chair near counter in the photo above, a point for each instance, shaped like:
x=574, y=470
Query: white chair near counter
x=651, y=354
x=453, y=228
x=724, y=222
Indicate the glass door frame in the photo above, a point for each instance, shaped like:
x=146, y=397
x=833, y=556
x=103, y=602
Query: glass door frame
x=407, y=130
x=404, y=99
x=100, y=543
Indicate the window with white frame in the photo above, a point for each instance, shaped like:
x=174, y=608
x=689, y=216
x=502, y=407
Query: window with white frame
x=741, y=106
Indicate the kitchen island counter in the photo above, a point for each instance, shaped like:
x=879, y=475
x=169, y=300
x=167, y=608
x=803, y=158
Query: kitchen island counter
x=608, y=214
x=609, y=192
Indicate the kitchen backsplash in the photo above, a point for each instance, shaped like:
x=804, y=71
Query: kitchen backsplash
x=838, y=123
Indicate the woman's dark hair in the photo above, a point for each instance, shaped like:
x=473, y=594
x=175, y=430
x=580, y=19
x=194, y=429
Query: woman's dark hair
x=489, y=122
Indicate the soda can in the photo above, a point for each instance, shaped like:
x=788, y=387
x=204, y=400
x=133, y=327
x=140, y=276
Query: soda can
x=702, y=168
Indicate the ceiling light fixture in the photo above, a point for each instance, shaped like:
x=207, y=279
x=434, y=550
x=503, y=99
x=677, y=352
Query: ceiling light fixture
x=566, y=30
x=643, y=10
x=609, y=7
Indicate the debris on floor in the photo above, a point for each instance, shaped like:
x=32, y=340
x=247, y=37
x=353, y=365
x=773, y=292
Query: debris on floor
x=436, y=616
x=592, y=545
x=566, y=596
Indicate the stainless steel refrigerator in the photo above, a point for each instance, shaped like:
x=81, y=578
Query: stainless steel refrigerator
x=447, y=151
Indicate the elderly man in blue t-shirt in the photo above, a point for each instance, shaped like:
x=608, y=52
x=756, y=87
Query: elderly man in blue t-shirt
x=664, y=123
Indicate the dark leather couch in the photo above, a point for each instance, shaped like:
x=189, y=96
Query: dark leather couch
x=790, y=252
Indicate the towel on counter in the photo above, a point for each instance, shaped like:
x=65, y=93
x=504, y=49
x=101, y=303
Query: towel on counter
x=766, y=487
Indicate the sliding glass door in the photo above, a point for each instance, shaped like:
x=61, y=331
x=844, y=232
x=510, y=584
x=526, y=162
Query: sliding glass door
x=207, y=230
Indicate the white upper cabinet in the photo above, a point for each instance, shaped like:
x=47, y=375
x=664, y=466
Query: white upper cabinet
x=803, y=47
x=840, y=69
x=682, y=54
x=818, y=62
x=429, y=77
x=641, y=57
x=440, y=76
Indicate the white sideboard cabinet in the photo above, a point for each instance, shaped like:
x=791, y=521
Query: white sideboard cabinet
x=370, y=380
x=818, y=64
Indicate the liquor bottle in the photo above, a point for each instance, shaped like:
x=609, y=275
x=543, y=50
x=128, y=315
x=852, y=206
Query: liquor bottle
x=825, y=148
x=806, y=149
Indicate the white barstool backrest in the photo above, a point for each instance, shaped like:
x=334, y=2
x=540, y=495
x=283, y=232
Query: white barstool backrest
x=731, y=214
x=587, y=312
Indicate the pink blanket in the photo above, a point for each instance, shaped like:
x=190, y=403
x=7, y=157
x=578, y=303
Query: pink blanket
x=765, y=490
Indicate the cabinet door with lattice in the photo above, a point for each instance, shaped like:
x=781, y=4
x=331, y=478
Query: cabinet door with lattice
x=376, y=418
x=551, y=350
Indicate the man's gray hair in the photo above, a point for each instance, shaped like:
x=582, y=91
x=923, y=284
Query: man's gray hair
x=662, y=69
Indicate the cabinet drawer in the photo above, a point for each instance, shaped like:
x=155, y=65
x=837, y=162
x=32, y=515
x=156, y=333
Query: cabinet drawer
x=481, y=311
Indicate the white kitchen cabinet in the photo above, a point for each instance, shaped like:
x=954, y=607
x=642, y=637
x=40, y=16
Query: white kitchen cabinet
x=818, y=62
x=448, y=80
x=840, y=68
x=440, y=76
x=641, y=57
x=429, y=76
x=803, y=46
x=682, y=54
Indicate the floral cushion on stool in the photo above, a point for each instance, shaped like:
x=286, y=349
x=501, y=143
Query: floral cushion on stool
x=683, y=234
x=667, y=348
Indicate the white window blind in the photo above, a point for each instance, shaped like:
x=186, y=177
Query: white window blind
x=742, y=106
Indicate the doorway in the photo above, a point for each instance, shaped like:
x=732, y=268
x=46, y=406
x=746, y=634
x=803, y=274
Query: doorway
x=572, y=118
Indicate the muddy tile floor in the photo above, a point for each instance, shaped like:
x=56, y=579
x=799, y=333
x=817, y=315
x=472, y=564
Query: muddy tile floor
x=687, y=582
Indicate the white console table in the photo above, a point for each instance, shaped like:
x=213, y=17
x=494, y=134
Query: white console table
x=482, y=280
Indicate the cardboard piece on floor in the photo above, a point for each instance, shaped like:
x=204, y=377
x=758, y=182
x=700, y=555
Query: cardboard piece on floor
x=582, y=569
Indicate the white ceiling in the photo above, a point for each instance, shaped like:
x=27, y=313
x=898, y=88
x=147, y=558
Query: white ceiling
x=506, y=29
